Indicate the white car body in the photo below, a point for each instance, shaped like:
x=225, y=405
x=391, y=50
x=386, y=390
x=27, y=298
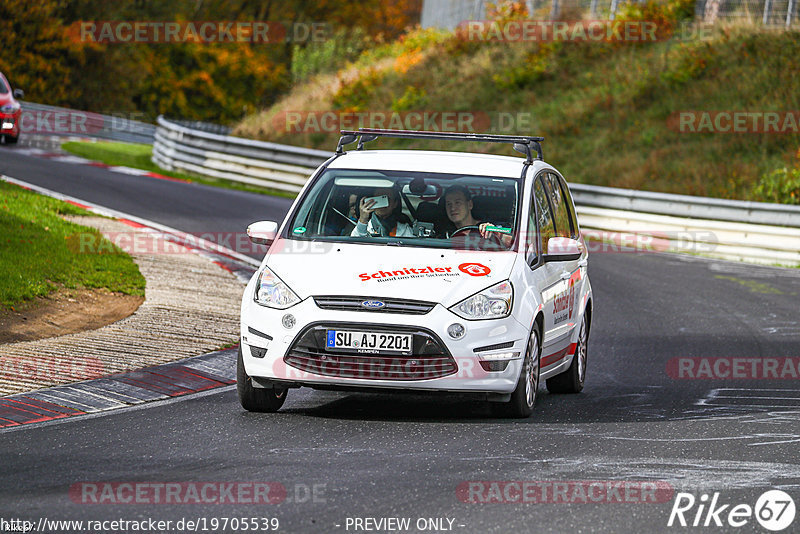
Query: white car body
x=552, y=297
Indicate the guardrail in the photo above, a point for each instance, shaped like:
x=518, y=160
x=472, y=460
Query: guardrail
x=54, y=120
x=754, y=232
x=258, y=163
x=730, y=229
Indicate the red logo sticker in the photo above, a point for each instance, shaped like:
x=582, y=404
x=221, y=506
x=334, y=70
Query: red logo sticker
x=474, y=269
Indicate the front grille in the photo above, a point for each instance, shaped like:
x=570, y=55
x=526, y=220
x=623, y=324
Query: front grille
x=391, y=305
x=429, y=358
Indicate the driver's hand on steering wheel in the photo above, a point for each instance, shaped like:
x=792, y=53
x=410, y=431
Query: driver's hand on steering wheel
x=506, y=239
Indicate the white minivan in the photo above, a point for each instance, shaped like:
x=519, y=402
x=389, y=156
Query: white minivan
x=421, y=271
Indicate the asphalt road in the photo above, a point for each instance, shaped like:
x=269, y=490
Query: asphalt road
x=394, y=455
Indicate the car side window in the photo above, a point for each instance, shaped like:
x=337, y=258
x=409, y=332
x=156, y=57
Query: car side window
x=569, y=207
x=544, y=211
x=531, y=245
x=560, y=204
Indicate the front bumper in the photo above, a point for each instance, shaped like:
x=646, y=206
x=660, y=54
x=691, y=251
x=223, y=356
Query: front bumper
x=411, y=372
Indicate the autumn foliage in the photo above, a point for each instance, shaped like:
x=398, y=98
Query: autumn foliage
x=219, y=82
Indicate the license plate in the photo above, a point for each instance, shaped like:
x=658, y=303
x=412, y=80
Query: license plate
x=8, y=125
x=369, y=342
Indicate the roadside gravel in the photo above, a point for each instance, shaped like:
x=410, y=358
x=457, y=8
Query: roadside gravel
x=191, y=307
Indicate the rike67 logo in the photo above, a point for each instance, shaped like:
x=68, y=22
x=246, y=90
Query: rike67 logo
x=774, y=510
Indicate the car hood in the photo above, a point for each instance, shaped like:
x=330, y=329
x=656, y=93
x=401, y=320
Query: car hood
x=375, y=271
x=6, y=99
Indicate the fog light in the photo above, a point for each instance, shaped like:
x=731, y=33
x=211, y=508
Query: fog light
x=500, y=356
x=288, y=321
x=257, y=352
x=494, y=367
x=456, y=330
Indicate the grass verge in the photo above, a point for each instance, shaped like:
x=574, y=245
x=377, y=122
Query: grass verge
x=138, y=156
x=38, y=253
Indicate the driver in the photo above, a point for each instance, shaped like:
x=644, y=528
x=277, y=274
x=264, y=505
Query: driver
x=386, y=221
x=458, y=205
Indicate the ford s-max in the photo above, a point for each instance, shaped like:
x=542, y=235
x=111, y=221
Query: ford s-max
x=421, y=271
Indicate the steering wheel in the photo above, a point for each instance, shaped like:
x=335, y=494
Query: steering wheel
x=466, y=230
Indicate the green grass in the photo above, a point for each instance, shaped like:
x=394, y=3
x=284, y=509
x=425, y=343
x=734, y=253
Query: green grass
x=39, y=252
x=607, y=111
x=138, y=156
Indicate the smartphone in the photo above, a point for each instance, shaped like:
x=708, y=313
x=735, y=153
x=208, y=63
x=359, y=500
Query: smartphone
x=380, y=201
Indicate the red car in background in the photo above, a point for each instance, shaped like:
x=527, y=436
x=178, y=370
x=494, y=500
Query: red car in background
x=10, y=111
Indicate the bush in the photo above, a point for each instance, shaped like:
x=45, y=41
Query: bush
x=781, y=186
x=413, y=98
x=328, y=56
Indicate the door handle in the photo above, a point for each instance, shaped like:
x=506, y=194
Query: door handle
x=565, y=275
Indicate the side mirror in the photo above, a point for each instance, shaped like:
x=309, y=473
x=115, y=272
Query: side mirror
x=262, y=232
x=563, y=249
x=19, y=94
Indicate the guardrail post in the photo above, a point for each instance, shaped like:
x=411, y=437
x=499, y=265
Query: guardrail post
x=789, y=14
x=767, y=8
x=614, y=4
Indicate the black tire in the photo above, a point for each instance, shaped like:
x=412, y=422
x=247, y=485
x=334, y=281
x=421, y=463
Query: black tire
x=523, y=399
x=256, y=399
x=571, y=380
x=11, y=140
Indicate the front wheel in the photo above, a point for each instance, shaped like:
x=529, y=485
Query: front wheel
x=571, y=380
x=255, y=399
x=524, y=397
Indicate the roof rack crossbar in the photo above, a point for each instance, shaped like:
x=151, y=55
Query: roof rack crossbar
x=521, y=143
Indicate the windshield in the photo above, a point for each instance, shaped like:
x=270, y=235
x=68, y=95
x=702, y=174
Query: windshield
x=3, y=87
x=410, y=208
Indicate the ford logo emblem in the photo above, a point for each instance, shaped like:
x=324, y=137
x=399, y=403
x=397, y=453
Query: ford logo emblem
x=373, y=304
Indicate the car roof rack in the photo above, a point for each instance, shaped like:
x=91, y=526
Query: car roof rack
x=522, y=143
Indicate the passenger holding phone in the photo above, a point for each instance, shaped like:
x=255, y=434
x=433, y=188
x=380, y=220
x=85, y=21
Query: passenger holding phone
x=384, y=221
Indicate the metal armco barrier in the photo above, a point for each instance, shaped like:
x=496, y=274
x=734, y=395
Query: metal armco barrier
x=40, y=119
x=730, y=229
x=754, y=232
x=257, y=163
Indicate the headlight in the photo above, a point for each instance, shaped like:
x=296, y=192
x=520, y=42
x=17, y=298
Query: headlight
x=9, y=108
x=272, y=292
x=491, y=303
